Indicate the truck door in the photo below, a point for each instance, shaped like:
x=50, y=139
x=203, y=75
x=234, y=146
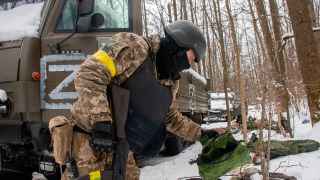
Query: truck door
x=62, y=52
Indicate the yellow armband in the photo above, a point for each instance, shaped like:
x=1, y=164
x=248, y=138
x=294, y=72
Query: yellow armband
x=107, y=61
x=95, y=175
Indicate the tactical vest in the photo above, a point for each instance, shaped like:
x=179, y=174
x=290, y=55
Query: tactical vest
x=148, y=105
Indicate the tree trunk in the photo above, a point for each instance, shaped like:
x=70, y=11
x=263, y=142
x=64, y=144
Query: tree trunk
x=194, y=65
x=266, y=33
x=191, y=10
x=194, y=10
x=236, y=50
x=209, y=57
x=261, y=149
x=213, y=60
x=184, y=9
x=203, y=62
x=307, y=53
x=181, y=10
x=145, y=18
x=273, y=56
x=175, y=14
x=224, y=60
x=261, y=145
x=282, y=90
x=169, y=12
x=260, y=47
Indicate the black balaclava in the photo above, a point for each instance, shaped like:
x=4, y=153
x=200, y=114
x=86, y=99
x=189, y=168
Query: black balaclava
x=171, y=59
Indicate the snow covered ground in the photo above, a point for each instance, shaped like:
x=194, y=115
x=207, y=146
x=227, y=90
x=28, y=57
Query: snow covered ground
x=304, y=166
x=173, y=168
x=215, y=125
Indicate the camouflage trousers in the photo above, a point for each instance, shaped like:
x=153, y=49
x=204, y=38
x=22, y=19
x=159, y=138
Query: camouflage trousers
x=87, y=160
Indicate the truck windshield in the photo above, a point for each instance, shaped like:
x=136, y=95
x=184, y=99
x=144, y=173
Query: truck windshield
x=115, y=13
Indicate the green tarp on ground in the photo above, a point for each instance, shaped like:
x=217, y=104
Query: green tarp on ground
x=221, y=155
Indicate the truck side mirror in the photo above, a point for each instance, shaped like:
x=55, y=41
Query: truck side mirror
x=86, y=19
x=90, y=21
x=83, y=24
x=85, y=7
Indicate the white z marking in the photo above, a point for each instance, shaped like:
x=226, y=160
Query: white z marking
x=57, y=92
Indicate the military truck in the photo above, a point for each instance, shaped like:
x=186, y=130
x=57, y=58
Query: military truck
x=218, y=108
x=37, y=73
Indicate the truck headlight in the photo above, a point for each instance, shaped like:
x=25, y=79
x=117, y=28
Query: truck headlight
x=3, y=96
x=5, y=104
x=3, y=109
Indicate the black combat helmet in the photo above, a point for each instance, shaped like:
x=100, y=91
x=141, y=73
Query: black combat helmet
x=187, y=35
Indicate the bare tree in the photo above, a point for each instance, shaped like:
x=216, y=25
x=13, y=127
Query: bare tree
x=282, y=89
x=274, y=57
x=209, y=57
x=184, y=9
x=169, y=12
x=216, y=7
x=306, y=47
x=174, y=6
x=203, y=62
x=145, y=18
x=236, y=50
x=191, y=11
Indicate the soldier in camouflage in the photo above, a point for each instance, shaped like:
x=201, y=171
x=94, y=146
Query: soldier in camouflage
x=116, y=63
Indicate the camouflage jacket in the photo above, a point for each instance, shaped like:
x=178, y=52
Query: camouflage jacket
x=128, y=52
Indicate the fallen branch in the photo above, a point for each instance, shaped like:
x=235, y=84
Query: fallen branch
x=293, y=165
x=281, y=176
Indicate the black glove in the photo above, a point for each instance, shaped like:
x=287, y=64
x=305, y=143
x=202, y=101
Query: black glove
x=44, y=138
x=209, y=133
x=101, y=137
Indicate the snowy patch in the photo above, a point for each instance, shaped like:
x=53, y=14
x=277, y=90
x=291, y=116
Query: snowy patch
x=314, y=133
x=299, y=113
x=22, y=21
x=304, y=166
x=219, y=104
x=215, y=125
x=221, y=95
x=254, y=111
x=175, y=167
x=273, y=135
x=196, y=75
